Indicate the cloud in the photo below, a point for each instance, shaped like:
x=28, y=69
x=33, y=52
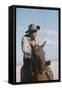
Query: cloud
x=51, y=36
x=51, y=32
x=50, y=42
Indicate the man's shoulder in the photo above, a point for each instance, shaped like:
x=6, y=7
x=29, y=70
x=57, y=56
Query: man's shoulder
x=25, y=37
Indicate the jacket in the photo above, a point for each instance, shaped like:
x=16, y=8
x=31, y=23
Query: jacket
x=26, y=47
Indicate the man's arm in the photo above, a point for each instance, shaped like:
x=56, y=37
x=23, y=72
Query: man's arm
x=25, y=46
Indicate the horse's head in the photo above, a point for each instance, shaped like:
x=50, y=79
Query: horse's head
x=38, y=50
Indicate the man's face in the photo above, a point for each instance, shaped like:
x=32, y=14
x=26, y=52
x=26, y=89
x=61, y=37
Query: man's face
x=34, y=34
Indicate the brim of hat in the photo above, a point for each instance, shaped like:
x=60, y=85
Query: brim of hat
x=35, y=30
x=28, y=31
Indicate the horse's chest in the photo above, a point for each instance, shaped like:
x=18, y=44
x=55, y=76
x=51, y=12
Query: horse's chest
x=42, y=77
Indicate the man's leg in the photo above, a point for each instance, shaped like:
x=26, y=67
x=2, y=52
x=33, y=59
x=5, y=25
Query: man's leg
x=27, y=70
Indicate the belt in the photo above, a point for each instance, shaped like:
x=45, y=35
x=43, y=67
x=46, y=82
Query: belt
x=27, y=56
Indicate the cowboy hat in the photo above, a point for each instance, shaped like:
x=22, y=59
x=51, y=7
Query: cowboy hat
x=32, y=28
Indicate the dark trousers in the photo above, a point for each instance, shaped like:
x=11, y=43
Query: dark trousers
x=26, y=72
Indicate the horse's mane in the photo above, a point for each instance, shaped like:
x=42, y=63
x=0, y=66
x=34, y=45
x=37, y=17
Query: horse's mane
x=38, y=51
x=39, y=56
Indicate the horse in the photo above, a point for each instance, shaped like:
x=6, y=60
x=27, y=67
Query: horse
x=38, y=54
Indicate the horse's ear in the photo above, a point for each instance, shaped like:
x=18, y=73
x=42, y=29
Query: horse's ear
x=42, y=46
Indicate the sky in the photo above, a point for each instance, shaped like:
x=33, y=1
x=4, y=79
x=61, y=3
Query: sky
x=48, y=21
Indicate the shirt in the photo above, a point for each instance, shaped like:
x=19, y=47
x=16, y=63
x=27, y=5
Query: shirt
x=26, y=48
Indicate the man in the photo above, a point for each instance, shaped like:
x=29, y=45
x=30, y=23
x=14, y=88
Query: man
x=28, y=41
